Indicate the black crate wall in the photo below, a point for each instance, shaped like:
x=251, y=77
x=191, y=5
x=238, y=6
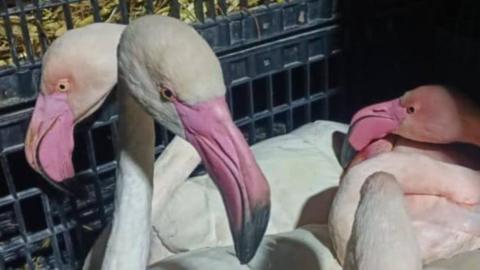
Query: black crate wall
x=19, y=81
x=457, y=39
x=281, y=85
x=390, y=48
x=283, y=67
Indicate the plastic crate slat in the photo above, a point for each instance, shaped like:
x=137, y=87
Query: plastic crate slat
x=198, y=9
x=51, y=227
x=28, y=7
x=124, y=12
x=174, y=9
x=65, y=233
x=25, y=33
x=223, y=6
x=96, y=10
x=210, y=8
x=244, y=3
x=39, y=18
x=9, y=32
x=149, y=6
x=285, y=107
x=68, y=14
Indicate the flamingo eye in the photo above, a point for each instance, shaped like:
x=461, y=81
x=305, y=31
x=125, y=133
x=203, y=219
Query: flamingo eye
x=410, y=110
x=63, y=86
x=167, y=94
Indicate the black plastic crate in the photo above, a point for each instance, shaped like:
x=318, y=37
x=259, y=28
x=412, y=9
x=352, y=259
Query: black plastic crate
x=389, y=48
x=40, y=229
x=276, y=82
x=265, y=22
x=457, y=43
x=19, y=81
x=284, y=84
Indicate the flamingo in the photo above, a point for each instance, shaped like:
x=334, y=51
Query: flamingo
x=445, y=215
x=186, y=99
x=307, y=149
x=431, y=113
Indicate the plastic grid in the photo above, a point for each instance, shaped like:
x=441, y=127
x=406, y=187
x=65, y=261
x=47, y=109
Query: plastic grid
x=19, y=81
x=289, y=81
x=41, y=229
x=272, y=88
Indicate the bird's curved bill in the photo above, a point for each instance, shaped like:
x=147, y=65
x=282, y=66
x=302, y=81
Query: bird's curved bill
x=375, y=122
x=230, y=162
x=49, y=140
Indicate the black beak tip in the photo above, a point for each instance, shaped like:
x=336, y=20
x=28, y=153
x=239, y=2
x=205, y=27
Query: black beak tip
x=248, y=240
x=347, y=151
x=69, y=187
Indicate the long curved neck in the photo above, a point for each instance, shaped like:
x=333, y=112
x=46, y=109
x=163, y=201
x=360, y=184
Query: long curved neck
x=129, y=242
x=382, y=235
x=171, y=170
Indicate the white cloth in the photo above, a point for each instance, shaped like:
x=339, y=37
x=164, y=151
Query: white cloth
x=300, y=167
x=305, y=248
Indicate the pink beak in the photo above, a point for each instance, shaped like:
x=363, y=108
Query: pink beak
x=208, y=127
x=375, y=122
x=49, y=141
x=230, y=162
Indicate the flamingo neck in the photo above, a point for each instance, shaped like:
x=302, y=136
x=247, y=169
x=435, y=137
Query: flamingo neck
x=172, y=168
x=129, y=242
x=381, y=215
